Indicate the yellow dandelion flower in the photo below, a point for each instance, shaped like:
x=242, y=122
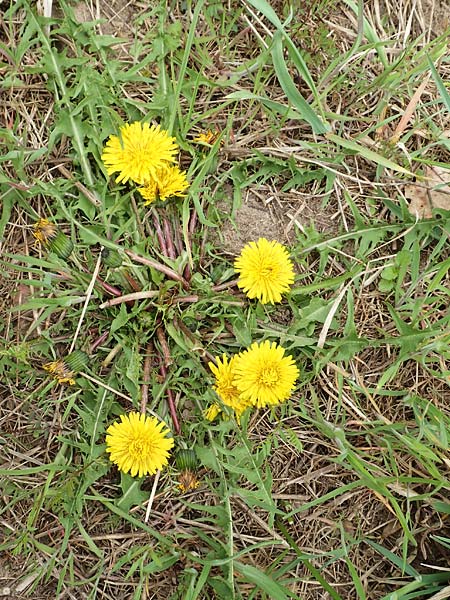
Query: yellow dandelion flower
x=265, y=270
x=188, y=481
x=264, y=375
x=186, y=461
x=138, y=444
x=211, y=412
x=60, y=371
x=168, y=181
x=208, y=137
x=44, y=231
x=225, y=388
x=64, y=370
x=49, y=235
x=139, y=152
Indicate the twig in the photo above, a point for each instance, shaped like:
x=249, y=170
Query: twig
x=130, y=297
x=409, y=111
x=152, y=496
x=224, y=286
x=86, y=302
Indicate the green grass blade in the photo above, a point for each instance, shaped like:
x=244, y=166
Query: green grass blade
x=439, y=84
x=265, y=8
x=184, y=63
x=368, y=154
x=370, y=34
x=394, y=559
x=286, y=111
x=200, y=582
x=303, y=557
x=356, y=580
x=263, y=582
x=290, y=89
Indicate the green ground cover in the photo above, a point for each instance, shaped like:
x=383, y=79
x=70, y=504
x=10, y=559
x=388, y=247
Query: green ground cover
x=332, y=123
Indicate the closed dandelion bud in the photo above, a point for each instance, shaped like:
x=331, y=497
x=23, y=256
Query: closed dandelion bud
x=49, y=235
x=77, y=361
x=61, y=245
x=187, y=463
x=65, y=369
x=186, y=460
x=111, y=258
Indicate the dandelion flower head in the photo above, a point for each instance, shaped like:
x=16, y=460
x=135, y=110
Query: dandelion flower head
x=265, y=270
x=139, y=151
x=168, y=181
x=138, y=444
x=61, y=371
x=264, y=375
x=207, y=137
x=225, y=388
x=44, y=231
x=65, y=369
x=188, y=481
x=211, y=412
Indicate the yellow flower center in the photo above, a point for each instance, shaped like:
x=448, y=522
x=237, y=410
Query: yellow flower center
x=139, y=449
x=269, y=376
x=227, y=392
x=267, y=271
x=140, y=156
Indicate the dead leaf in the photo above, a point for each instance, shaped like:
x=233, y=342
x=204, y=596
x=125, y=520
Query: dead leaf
x=431, y=193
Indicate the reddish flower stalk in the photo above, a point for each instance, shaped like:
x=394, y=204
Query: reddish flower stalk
x=99, y=341
x=146, y=377
x=187, y=273
x=185, y=299
x=168, y=234
x=164, y=346
x=170, y=401
x=204, y=354
x=177, y=235
x=191, y=228
x=113, y=290
x=109, y=288
x=132, y=282
x=224, y=286
x=159, y=233
x=193, y=221
x=166, y=361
